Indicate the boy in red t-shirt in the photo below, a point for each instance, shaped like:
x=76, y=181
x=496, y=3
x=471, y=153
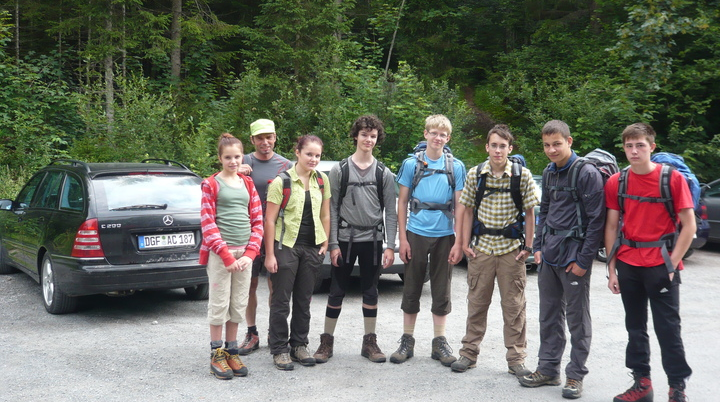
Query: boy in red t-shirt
x=640, y=274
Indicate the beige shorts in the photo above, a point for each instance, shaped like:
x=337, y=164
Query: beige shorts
x=228, y=291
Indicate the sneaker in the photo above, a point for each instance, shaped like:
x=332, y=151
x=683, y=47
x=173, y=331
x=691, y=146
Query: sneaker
x=641, y=391
x=282, y=361
x=236, y=365
x=518, y=370
x=677, y=394
x=218, y=364
x=301, y=355
x=325, y=350
x=250, y=344
x=537, y=379
x=572, y=389
x=462, y=364
x=442, y=351
x=405, y=351
x=371, y=350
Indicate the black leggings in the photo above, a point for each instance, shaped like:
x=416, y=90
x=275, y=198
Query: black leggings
x=369, y=272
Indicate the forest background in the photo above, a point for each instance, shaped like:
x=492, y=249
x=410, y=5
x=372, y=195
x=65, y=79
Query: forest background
x=124, y=80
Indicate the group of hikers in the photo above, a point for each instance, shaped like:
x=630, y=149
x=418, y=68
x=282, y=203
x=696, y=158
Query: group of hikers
x=263, y=211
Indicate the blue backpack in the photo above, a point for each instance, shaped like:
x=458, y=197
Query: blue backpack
x=678, y=162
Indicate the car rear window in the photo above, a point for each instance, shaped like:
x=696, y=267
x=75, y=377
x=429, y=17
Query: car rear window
x=169, y=192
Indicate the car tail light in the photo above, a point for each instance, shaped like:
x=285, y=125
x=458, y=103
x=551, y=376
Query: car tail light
x=703, y=212
x=87, y=241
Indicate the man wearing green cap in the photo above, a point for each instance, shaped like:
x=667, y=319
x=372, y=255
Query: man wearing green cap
x=262, y=166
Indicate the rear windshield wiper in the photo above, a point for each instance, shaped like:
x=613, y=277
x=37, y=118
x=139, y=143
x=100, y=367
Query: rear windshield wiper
x=141, y=206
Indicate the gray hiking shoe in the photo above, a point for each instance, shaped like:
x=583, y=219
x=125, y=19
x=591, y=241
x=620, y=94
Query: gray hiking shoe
x=572, y=389
x=405, y=351
x=442, y=351
x=518, y=370
x=537, y=379
x=462, y=364
x=301, y=355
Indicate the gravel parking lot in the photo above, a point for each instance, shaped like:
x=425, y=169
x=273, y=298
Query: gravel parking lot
x=154, y=346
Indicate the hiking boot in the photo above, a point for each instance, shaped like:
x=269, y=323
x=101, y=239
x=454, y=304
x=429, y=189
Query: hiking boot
x=282, y=361
x=641, y=391
x=518, y=370
x=677, y=393
x=371, y=350
x=572, y=389
x=218, y=364
x=462, y=364
x=236, y=365
x=537, y=379
x=250, y=344
x=325, y=350
x=405, y=351
x=301, y=355
x=442, y=351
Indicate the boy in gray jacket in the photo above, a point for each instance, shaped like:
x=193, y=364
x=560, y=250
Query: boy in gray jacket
x=566, y=262
x=363, y=190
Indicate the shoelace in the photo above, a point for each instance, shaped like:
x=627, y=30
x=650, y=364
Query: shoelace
x=572, y=383
x=404, y=346
x=220, y=357
x=445, y=349
x=677, y=395
x=246, y=341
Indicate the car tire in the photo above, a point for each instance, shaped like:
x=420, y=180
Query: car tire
x=198, y=292
x=55, y=301
x=4, y=268
x=601, y=254
x=688, y=253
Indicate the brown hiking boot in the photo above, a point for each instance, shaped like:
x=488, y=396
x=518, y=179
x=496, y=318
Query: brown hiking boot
x=236, y=365
x=371, y=350
x=250, y=344
x=325, y=350
x=218, y=364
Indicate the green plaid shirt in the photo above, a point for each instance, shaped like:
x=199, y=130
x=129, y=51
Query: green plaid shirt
x=498, y=210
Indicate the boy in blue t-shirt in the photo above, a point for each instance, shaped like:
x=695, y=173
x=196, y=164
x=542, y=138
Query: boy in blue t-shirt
x=429, y=236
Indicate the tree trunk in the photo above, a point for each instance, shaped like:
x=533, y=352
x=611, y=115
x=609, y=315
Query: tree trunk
x=17, y=32
x=109, y=80
x=176, y=37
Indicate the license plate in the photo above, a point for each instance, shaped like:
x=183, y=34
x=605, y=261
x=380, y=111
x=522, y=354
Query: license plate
x=166, y=240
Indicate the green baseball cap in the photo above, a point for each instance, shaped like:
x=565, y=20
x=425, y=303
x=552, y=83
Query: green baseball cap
x=262, y=126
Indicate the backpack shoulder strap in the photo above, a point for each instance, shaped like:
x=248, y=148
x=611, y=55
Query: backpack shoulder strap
x=344, y=178
x=380, y=183
x=622, y=189
x=480, y=190
x=665, y=191
x=420, y=166
x=450, y=170
x=285, y=176
x=515, y=186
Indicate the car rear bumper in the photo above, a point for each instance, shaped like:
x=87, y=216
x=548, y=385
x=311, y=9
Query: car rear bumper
x=79, y=277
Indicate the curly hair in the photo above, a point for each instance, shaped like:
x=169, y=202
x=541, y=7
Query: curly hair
x=367, y=122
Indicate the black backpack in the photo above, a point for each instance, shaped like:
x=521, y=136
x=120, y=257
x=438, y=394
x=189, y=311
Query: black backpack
x=606, y=164
x=344, y=183
x=515, y=230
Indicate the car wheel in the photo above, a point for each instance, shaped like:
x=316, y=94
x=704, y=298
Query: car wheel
x=55, y=301
x=4, y=268
x=320, y=285
x=601, y=254
x=198, y=292
x=688, y=253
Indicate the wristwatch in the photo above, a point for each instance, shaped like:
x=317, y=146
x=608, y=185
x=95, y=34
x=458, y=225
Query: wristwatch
x=528, y=249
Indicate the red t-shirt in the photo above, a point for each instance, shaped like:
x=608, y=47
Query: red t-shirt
x=646, y=221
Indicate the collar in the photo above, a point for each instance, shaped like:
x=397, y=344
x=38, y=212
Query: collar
x=553, y=166
x=487, y=169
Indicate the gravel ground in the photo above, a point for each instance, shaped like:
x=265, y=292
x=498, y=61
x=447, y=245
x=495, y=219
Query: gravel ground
x=155, y=346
